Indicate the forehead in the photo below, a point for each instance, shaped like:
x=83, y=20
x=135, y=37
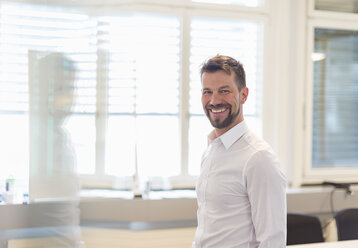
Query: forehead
x=217, y=79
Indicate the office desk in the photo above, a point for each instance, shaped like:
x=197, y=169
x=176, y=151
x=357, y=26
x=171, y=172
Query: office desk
x=340, y=244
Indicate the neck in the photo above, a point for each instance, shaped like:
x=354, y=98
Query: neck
x=221, y=131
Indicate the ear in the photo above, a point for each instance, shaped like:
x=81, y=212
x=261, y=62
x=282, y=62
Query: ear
x=244, y=94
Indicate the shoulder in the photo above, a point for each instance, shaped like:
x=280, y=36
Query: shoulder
x=263, y=168
x=254, y=142
x=262, y=159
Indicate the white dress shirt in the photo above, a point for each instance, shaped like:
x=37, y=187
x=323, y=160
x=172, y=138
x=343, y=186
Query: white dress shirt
x=241, y=194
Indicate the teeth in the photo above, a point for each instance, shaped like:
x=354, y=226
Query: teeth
x=218, y=110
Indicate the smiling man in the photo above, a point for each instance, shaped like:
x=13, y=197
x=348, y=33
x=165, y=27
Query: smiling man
x=241, y=190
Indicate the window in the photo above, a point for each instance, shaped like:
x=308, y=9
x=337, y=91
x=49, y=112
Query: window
x=335, y=104
x=137, y=86
x=331, y=137
x=35, y=28
x=143, y=95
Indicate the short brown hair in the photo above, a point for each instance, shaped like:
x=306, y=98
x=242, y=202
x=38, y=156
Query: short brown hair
x=227, y=64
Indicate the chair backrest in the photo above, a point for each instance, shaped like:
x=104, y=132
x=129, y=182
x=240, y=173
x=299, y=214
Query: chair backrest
x=303, y=229
x=347, y=224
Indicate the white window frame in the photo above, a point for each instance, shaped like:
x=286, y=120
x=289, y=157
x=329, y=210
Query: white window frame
x=277, y=72
x=329, y=20
x=186, y=10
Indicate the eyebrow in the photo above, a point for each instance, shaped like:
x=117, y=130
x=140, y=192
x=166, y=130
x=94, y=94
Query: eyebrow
x=220, y=88
x=224, y=87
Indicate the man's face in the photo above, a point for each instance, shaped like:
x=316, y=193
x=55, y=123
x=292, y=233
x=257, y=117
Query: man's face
x=222, y=100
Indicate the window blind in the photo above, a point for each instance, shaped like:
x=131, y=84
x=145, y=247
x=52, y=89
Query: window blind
x=44, y=29
x=335, y=104
x=143, y=94
x=347, y=6
x=126, y=115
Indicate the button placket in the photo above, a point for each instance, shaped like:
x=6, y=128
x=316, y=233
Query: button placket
x=207, y=163
x=206, y=172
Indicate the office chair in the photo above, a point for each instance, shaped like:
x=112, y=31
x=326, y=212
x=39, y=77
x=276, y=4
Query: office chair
x=347, y=224
x=303, y=229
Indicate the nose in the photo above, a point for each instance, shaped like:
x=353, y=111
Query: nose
x=215, y=99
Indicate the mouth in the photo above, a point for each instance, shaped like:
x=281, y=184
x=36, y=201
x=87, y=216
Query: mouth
x=218, y=110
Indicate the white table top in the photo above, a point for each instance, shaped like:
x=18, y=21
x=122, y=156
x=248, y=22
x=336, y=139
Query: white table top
x=340, y=244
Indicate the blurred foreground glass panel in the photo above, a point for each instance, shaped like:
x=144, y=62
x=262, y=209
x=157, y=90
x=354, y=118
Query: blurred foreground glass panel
x=53, y=174
x=47, y=76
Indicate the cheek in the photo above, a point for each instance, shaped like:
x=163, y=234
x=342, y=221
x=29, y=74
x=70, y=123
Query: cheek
x=204, y=101
x=235, y=102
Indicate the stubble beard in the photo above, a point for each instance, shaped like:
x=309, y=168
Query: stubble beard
x=215, y=122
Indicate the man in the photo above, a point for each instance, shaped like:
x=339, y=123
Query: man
x=53, y=159
x=241, y=189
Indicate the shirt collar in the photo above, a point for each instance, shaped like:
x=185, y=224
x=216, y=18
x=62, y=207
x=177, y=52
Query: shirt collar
x=232, y=135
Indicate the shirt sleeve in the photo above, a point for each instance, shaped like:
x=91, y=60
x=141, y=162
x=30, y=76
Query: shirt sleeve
x=266, y=189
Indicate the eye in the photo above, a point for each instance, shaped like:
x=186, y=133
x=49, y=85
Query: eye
x=206, y=92
x=224, y=91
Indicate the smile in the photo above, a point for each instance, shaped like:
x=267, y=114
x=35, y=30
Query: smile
x=218, y=110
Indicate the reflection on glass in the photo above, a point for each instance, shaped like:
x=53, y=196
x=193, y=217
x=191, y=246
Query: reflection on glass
x=52, y=159
x=348, y=6
x=335, y=106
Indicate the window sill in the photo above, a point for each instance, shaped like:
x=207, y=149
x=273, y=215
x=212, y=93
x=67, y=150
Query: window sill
x=166, y=208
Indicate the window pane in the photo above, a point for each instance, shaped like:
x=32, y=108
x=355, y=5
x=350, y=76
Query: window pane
x=199, y=128
x=158, y=147
x=120, y=146
x=335, y=106
x=144, y=63
x=14, y=159
x=41, y=30
x=348, y=6
x=143, y=94
x=150, y=142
